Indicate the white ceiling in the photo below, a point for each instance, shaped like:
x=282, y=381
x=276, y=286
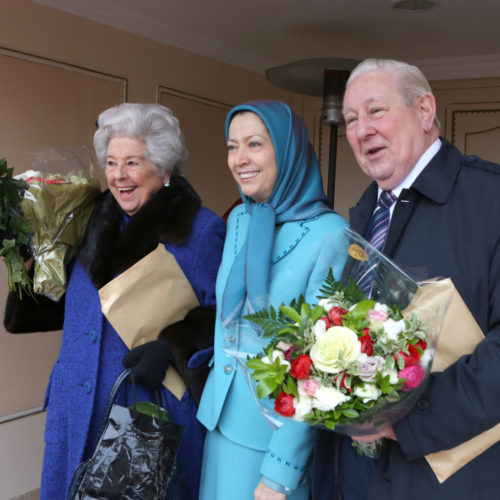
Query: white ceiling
x=455, y=39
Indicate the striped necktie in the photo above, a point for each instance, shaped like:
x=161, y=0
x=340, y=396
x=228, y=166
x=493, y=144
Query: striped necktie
x=379, y=224
x=376, y=235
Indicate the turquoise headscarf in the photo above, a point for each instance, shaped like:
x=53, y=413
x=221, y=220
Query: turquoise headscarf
x=297, y=195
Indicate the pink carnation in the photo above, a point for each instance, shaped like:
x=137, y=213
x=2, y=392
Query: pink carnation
x=377, y=316
x=414, y=375
x=308, y=387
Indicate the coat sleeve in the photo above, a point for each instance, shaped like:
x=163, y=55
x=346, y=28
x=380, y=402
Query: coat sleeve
x=291, y=445
x=206, y=256
x=463, y=400
x=192, y=338
x=28, y=314
x=191, y=341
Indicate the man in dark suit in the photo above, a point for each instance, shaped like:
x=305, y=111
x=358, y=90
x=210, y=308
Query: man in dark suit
x=445, y=222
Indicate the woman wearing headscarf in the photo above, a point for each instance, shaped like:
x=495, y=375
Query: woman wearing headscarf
x=141, y=148
x=281, y=243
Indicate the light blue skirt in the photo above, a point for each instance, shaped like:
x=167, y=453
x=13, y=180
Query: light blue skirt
x=232, y=472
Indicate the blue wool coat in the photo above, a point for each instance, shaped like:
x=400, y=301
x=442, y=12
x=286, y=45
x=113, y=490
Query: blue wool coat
x=90, y=361
x=303, y=252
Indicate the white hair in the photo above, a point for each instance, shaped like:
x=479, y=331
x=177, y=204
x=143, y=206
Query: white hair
x=154, y=124
x=410, y=80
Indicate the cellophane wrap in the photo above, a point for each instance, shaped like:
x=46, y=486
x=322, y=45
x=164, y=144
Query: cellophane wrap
x=58, y=207
x=392, y=287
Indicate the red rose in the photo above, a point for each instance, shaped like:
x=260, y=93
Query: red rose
x=411, y=358
x=301, y=367
x=284, y=404
x=366, y=342
x=335, y=315
x=342, y=382
x=326, y=321
x=421, y=344
x=43, y=180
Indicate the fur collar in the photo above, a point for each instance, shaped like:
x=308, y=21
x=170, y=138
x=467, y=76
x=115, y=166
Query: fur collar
x=167, y=217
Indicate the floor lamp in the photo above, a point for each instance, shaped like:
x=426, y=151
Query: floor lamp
x=326, y=77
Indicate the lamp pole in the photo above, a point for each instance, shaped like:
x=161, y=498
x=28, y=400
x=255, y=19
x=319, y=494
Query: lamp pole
x=319, y=77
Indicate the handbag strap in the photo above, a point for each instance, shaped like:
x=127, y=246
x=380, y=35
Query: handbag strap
x=120, y=381
x=122, y=378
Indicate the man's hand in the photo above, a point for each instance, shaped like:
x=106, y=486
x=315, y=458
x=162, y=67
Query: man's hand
x=368, y=438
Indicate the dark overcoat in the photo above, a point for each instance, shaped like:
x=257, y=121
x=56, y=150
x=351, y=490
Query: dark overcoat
x=446, y=225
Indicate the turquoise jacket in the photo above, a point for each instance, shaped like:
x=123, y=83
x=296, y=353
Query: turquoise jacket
x=303, y=253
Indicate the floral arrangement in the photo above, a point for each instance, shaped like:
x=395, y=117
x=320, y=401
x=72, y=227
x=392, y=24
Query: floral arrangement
x=16, y=232
x=58, y=208
x=343, y=361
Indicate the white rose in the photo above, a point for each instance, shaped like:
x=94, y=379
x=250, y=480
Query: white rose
x=393, y=328
x=427, y=357
x=393, y=375
x=328, y=398
x=303, y=406
x=277, y=354
x=381, y=307
x=369, y=366
x=338, y=346
x=327, y=303
x=319, y=329
x=368, y=392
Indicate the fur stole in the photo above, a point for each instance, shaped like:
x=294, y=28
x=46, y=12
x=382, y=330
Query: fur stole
x=167, y=217
x=110, y=247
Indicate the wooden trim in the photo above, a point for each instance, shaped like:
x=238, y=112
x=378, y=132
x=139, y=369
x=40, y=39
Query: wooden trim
x=16, y=54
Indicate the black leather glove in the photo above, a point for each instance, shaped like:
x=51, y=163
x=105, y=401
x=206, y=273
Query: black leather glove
x=149, y=363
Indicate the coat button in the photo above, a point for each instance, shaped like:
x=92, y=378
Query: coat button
x=422, y=405
x=92, y=335
x=87, y=387
x=231, y=339
x=228, y=369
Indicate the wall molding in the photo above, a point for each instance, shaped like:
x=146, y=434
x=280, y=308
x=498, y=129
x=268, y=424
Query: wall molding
x=161, y=90
x=455, y=111
x=457, y=68
x=54, y=63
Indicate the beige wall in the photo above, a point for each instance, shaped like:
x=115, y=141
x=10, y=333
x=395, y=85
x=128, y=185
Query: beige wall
x=58, y=71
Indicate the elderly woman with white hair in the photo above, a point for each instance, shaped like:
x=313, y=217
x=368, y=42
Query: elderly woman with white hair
x=141, y=149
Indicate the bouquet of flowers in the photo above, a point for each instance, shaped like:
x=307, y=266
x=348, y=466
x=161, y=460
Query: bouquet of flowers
x=349, y=363
x=58, y=208
x=15, y=231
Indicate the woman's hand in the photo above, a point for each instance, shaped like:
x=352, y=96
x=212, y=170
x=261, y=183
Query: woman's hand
x=149, y=363
x=263, y=492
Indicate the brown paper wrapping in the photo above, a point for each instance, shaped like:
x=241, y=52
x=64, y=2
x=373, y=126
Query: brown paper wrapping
x=450, y=348
x=144, y=299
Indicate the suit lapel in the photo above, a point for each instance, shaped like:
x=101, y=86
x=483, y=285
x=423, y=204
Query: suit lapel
x=359, y=216
x=288, y=236
x=402, y=212
x=434, y=183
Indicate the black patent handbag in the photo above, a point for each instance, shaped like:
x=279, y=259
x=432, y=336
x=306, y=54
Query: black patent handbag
x=135, y=455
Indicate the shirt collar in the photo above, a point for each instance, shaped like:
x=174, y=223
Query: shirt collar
x=417, y=169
